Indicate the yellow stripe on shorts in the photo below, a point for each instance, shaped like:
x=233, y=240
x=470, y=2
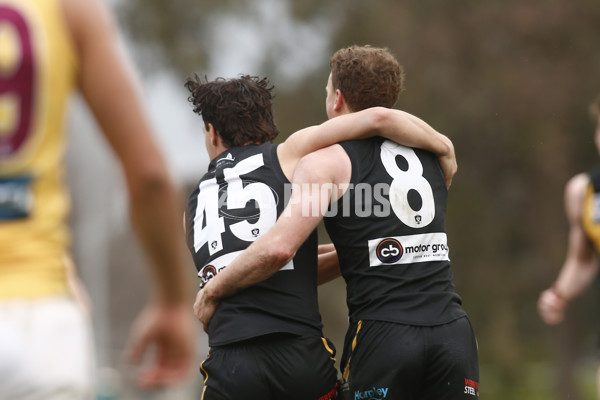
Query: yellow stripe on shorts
x=347, y=369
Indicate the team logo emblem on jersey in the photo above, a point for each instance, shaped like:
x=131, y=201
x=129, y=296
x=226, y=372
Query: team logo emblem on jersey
x=227, y=158
x=389, y=251
x=418, y=219
x=207, y=273
x=255, y=232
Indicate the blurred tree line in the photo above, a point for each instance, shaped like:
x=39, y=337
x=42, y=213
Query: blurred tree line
x=510, y=83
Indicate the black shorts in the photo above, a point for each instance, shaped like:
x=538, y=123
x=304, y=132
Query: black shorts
x=384, y=360
x=277, y=366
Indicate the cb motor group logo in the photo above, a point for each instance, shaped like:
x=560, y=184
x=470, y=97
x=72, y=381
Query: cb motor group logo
x=389, y=251
x=408, y=249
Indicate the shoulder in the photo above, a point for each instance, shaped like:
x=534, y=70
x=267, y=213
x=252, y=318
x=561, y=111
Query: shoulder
x=326, y=156
x=329, y=164
x=575, y=194
x=576, y=186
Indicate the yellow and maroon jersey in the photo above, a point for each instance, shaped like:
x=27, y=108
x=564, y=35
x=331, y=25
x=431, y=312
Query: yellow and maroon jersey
x=591, y=209
x=37, y=73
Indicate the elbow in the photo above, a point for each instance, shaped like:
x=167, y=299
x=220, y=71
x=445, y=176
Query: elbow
x=447, y=145
x=280, y=255
x=148, y=182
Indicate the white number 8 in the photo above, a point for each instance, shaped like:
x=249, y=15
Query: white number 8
x=404, y=181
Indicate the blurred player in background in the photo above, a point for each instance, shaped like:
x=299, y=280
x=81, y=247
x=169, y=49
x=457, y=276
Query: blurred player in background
x=580, y=268
x=267, y=341
x=409, y=337
x=47, y=49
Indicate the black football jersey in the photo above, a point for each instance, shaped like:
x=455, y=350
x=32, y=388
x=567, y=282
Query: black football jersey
x=237, y=201
x=389, y=231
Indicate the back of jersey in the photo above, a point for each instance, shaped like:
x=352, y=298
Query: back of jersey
x=389, y=231
x=236, y=202
x=37, y=73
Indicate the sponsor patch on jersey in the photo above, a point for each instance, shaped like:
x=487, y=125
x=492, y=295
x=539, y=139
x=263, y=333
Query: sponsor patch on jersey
x=16, y=197
x=408, y=249
x=471, y=387
x=211, y=269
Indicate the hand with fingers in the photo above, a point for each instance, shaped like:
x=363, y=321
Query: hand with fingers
x=169, y=331
x=205, y=307
x=551, y=306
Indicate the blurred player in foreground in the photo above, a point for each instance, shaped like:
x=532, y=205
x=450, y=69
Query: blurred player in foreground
x=409, y=337
x=582, y=207
x=267, y=341
x=47, y=49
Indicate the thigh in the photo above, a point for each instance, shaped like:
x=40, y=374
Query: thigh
x=49, y=350
x=452, y=362
x=383, y=360
x=301, y=368
x=232, y=373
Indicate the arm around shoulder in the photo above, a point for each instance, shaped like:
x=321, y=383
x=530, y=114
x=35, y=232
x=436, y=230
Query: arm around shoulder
x=396, y=125
x=409, y=130
x=305, y=209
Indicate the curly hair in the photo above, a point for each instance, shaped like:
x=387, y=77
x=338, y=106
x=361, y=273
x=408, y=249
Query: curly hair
x=239, y=109
x=367, y=76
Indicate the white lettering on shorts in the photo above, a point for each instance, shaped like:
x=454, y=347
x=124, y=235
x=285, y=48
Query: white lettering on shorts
x=373, y=393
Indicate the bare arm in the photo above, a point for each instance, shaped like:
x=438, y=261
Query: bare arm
x=396, y=125
x=325, y=248
x=329, y=167
x=108, y=84
x=581, y=265
x=329, y=266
